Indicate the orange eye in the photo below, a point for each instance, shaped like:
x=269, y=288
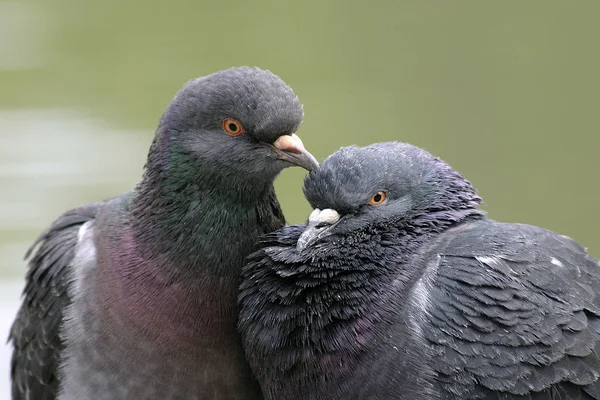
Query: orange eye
x=233, y=127
x=378, y=198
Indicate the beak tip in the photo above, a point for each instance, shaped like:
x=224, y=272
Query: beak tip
x=313, y=164
x=292, y=150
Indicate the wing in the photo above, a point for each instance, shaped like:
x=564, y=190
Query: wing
x=514, y=312
x=35, y=331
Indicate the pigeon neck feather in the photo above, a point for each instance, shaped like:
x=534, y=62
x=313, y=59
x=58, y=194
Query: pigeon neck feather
x=197, y=220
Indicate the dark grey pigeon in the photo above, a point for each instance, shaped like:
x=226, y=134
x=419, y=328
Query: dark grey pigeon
x=134, y=297
x=399, y=287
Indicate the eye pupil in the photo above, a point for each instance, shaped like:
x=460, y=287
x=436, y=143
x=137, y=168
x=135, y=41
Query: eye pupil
x=378, y=198
x=232, y=127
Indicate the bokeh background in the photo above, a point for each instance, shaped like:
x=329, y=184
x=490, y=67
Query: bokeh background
x=507, y=92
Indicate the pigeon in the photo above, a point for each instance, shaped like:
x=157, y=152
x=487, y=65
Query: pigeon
x=400, y=287
x=134, y=297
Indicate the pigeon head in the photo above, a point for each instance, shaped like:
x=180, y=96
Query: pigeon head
x=237, y=122
x=381, y=184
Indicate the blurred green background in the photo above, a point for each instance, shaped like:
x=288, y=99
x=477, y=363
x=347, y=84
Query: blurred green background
x=505, y=91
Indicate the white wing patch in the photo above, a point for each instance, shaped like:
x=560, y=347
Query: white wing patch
x=557, y=262
x=489, y=260
x=85, y=257
x=82, y=267
x=420, y=294
x=420, y=298
x=496, y=263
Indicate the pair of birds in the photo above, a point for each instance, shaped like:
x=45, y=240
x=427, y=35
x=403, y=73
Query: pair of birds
x=397, y=287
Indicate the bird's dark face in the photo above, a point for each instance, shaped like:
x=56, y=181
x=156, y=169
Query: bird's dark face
x=240, y=121
x=385, y=183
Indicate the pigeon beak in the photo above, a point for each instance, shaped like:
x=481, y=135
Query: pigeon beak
x=290, y=148
x=318, y=222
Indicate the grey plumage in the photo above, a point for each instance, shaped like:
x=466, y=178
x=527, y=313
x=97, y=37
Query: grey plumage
x=418, y=297
x=134, y=297
x=35, y=331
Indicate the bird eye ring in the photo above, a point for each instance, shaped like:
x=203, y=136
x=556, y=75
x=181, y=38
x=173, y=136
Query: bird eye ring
x=378, y=198
x=233, y=127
